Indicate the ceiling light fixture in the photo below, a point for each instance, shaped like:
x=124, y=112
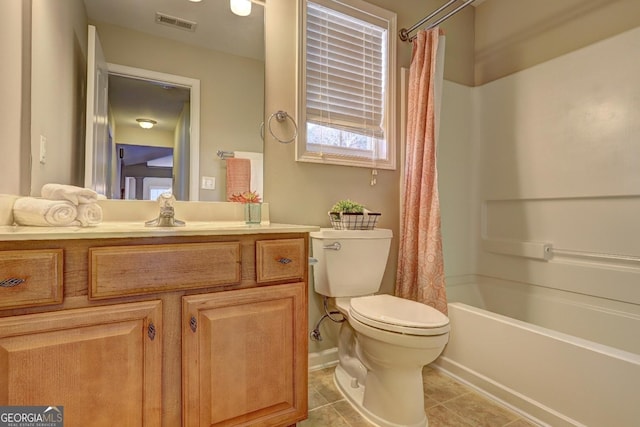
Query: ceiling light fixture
x=240, y=7
x=146, y=123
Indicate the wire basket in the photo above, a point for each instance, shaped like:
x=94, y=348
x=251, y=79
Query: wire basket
x=353, y=221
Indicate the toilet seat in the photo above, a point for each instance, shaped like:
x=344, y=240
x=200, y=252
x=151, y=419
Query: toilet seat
x=393, y=314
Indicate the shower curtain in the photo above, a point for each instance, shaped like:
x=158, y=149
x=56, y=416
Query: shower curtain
x=420, y=274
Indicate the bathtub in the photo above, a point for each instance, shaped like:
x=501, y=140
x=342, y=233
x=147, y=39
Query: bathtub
x=578, y=366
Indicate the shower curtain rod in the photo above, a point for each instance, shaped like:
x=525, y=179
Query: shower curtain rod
x=404, y=33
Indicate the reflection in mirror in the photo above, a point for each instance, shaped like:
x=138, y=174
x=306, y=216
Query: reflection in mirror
x=225, y=53
x=148, y=135
x=146, y=154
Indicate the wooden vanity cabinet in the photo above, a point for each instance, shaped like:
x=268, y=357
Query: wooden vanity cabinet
x=160, y=331
x=103, y=364
x=241, y=355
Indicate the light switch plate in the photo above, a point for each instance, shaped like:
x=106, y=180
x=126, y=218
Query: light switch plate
x=43, y=149
x=208, y=183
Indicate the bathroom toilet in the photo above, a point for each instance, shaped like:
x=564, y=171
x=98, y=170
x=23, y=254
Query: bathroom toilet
x=385, y=341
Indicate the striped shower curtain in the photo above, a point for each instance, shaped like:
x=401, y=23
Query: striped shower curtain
x=420, y=274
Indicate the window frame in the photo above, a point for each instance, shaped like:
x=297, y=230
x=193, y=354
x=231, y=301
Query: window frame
x=356, y=8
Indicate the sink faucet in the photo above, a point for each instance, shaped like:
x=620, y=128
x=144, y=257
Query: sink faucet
x=166, y=218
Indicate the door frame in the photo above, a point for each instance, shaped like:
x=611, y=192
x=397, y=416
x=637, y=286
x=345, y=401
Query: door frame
x=194, y=106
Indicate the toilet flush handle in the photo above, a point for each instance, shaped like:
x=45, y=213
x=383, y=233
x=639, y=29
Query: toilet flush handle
x=335, y=246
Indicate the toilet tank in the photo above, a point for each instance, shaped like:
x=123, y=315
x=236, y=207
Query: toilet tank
x=350, y=262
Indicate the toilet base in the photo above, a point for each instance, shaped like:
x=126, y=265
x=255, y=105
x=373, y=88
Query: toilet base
x=355, y=396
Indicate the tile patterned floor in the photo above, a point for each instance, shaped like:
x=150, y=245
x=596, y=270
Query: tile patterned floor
x=447, y=403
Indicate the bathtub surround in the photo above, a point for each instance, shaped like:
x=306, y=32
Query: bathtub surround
x=557, y=378
x=420, y=273
x=558, y=163
x=550, y=158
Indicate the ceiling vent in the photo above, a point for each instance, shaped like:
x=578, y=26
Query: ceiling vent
x=172, y=21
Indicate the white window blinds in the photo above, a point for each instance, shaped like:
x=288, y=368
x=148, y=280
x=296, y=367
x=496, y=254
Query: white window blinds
x=345, y=72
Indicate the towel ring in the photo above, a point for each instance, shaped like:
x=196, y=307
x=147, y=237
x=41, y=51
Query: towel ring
x=281, y=116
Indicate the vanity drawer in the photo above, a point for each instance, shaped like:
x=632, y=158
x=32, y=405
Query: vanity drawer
x=281, y=259
x=141, y=269
x=30, y=278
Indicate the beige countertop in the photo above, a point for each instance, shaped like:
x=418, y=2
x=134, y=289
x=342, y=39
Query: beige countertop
x=125, y=219
x=121, y=229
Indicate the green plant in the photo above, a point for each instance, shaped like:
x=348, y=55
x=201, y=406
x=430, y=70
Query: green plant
x=347, y=206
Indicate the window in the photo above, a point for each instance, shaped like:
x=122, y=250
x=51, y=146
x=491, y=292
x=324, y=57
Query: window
x=348, y=84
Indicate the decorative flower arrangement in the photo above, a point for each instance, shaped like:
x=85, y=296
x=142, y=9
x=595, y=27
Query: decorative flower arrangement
x=246, y=197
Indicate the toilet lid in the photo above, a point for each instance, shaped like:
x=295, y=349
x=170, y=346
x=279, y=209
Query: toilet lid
x=398, y=315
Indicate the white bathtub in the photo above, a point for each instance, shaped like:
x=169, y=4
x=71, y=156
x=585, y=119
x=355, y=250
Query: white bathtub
x=581, y=368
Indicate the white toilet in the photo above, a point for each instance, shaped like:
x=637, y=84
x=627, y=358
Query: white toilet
x=386, y=340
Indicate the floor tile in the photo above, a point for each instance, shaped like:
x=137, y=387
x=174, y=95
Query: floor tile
x=520, y=422
x=439, y=416
x=316, y=399
x=325, y=416
x=448, y=403
x=440, y=387
x=352, y=416
x=480, y=411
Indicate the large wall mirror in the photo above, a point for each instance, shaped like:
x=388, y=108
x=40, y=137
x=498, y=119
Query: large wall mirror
x=202, y=42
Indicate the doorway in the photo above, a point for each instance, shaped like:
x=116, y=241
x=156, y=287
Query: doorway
x=171, y=104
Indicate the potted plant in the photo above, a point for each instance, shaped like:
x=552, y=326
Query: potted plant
x=347, y=206
x=349, y=215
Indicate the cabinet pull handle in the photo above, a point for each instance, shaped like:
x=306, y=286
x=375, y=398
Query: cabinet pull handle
x=11, y=282
x=193, y=324
x=151, y=331
x=284, y=260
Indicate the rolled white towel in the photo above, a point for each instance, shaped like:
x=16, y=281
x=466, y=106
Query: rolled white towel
x=89, y=214
x=6, y=208
x=43, y=212
x=75, y=195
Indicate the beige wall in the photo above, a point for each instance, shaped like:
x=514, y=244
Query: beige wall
x=11, y=96
x=59, y=35
x=513, y=35
x=138, y=136
x=302, y=193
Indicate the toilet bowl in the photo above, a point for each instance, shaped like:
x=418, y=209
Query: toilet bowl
x=394, y=339
x=385, y=341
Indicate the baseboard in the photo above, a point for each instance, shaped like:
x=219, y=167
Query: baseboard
x=323, y=359
x=533, y=410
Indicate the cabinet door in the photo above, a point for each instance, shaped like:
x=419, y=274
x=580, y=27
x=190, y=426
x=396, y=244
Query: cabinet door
x=102, y=364
x=244, y=356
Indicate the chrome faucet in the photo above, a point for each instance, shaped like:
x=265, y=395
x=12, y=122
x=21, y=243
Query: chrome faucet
x=166, y=218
